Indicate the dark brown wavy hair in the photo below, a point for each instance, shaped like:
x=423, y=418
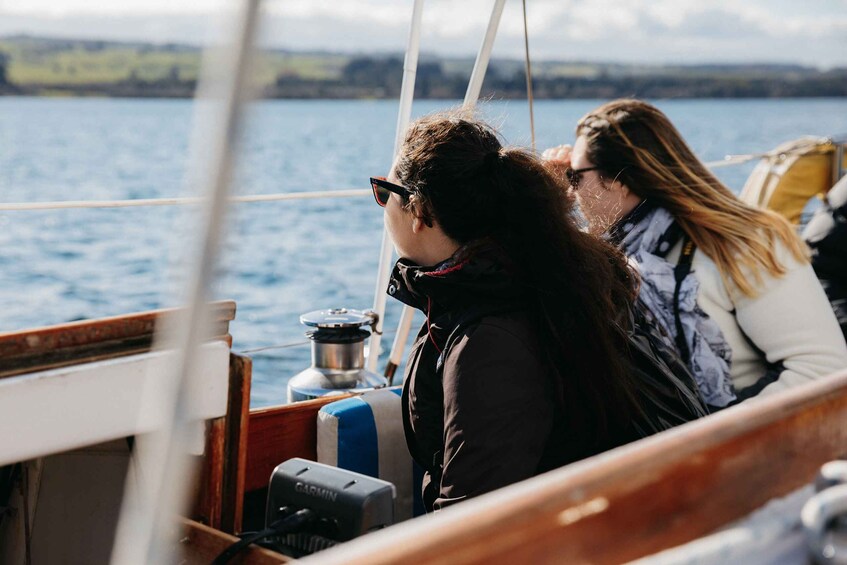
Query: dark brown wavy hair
x=579, y=288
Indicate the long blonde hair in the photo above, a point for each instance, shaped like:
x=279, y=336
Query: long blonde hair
x=635, y=143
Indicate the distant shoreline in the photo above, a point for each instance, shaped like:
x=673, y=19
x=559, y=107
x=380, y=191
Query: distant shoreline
x=32, y=66
x=457, y=100
x=58, y=93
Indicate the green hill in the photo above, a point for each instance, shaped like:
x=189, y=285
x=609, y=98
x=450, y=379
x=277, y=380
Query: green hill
x=40, y=61
x=46, y=66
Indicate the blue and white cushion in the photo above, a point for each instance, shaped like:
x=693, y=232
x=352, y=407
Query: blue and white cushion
x=365, y=434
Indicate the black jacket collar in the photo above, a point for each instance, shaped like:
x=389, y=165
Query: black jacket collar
x=473, y=275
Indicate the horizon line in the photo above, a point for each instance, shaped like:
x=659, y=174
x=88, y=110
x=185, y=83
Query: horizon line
x=399, y=53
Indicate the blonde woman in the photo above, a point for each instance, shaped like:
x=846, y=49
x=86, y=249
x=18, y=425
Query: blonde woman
x=731, y=285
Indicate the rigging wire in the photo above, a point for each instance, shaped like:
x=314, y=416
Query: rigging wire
x=727, y=161
x=730, y=160
x=287, y=345
x=528, y=78
x=57, y=205
x=299, y=343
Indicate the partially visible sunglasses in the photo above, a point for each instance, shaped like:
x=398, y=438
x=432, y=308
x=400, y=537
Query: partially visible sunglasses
x=383, y=189
x=574, y=175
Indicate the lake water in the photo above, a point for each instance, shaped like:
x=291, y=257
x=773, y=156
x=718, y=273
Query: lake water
x=280, y=259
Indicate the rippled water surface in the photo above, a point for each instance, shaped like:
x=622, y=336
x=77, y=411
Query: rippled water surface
x=281, y=259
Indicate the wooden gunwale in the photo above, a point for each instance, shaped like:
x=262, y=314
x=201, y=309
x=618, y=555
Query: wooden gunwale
x=636, y=500
x=84, y=341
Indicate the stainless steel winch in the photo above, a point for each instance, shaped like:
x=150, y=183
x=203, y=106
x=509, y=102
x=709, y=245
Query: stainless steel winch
x=338, y=354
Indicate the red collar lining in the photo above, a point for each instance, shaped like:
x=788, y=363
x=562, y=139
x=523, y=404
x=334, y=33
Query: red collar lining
x=447, y=270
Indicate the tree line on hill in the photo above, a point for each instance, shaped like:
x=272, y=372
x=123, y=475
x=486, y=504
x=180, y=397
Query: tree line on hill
x=367, y=77
x=381, y=77
x=4, y=80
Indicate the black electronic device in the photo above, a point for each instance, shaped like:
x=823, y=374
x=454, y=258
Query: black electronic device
x=344, y=504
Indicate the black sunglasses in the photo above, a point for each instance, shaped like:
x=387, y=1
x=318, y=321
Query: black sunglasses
x=574, y=175
x=383, y=189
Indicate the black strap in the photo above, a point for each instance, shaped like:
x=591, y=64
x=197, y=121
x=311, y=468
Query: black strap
x=839, y=214
x=682, y=269
x=773, y=370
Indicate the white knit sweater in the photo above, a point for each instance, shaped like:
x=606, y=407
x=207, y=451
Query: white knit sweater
x=790, y=320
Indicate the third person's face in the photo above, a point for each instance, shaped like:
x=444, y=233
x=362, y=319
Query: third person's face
x=602, y=200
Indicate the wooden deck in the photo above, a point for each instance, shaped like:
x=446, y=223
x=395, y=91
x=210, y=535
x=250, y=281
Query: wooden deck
x=91, y=340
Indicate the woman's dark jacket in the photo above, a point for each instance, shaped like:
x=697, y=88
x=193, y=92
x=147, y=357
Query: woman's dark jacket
x=484, y=413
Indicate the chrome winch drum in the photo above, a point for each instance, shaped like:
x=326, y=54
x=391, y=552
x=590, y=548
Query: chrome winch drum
x=338, y=355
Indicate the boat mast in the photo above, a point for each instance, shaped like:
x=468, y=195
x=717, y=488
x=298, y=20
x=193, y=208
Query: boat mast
x=484, y=55
x=471, y=97
x=386, y=254
x=159, y=479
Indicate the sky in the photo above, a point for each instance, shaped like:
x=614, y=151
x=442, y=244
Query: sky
x=810, y=32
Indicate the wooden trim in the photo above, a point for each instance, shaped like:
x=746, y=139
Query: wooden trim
x=220, y=493
x=201, y=544
x=279, y=433
x=638, y=499
x=92, y=340
x=235, y=458
x=209, y=501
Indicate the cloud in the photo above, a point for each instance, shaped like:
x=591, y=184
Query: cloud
x=657, y=31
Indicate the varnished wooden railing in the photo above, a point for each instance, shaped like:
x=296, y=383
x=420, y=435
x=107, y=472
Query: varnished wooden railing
x=636, y=500
x=84, y=341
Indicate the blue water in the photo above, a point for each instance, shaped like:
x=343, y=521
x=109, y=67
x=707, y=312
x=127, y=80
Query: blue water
x=280, y=259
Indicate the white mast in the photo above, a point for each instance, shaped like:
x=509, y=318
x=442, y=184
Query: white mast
x=484, y=55
x=471, y=97
x=407, y=93
x=159, y=479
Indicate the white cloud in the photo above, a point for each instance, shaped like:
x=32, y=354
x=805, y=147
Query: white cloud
x=629, y=30
x=65, y=8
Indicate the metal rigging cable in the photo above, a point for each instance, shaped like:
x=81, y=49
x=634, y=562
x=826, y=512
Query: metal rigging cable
x=528, y=77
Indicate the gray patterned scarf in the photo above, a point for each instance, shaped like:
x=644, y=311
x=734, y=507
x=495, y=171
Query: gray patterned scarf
x=643, y=237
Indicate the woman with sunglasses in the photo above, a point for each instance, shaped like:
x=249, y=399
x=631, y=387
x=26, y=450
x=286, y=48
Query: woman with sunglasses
x=730, y=284
x=520, y=366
